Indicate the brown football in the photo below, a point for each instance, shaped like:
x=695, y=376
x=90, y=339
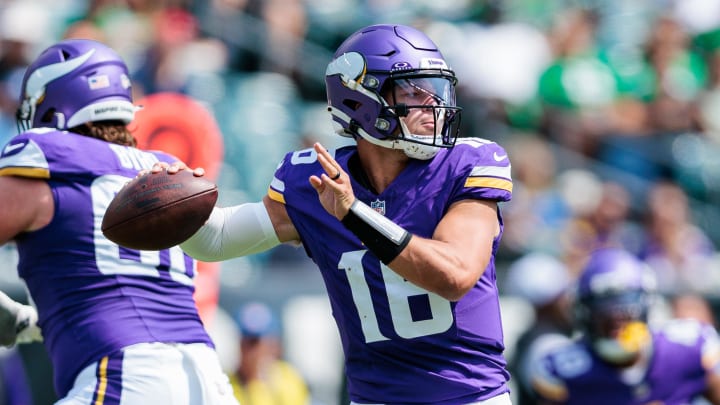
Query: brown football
x=159, y=210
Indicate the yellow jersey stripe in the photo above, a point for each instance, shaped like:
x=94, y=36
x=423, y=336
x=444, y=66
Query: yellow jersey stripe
x=274, y=195
x=489, y=182
x=32, y=172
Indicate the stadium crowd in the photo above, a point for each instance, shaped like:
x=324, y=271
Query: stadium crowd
x=609, y=111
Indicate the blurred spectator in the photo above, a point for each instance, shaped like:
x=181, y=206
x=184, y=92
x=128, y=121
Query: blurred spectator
x=709, y=100
x=544, y=282
x=579, y=87
x=677, y=250
x=694, y=306
x=538, y=210
x=85, y=29
x=697, y=16
x=611, y=219
x=24, y=27
x=286, y=23
x=177, y=53
x=500, y=87
x=127, y=26
x=607, y=221
x=263, y=377
x=680, y=75
x=238, y=24
x=582, y=191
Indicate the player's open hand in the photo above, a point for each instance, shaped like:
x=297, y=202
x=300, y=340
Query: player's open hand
x=333, y=187
x=172, y=168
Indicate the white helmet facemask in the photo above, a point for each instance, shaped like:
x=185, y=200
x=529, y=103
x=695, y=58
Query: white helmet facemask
x=426, y=94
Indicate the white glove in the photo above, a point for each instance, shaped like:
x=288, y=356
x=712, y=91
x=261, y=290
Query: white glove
x=26, y=325
x=18, y=322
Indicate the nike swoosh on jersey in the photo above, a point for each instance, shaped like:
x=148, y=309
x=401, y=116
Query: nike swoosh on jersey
x=499, y=158
x=10, y=148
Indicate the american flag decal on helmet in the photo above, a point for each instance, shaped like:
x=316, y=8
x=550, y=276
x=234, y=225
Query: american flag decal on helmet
x=99, y=82
x=378, y=206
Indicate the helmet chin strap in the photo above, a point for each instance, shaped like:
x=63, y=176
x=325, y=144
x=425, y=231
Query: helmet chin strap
x=385, y=143
x=417, y=150
x=411, y=149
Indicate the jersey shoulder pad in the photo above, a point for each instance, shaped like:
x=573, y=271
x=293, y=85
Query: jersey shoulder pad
x=485, y=150
x=685, y=332
x=693, y=336
x=293, y=171
x=24, y=155
x=488, y=167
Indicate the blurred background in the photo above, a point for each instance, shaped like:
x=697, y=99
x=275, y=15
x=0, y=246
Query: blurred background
x=609, y=110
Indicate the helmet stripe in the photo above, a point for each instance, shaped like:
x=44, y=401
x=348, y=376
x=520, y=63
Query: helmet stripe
x=42, y=76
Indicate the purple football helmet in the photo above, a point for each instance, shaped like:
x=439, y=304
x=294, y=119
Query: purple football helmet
x=614, y=293
x=367, y=73
x=73, y=82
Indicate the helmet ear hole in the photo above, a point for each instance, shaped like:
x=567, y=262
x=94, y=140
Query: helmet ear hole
x=352, y=104
x=48, y=116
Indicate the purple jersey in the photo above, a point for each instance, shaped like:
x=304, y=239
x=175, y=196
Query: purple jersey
x=94, y=297
x=402, y=343
x=684, y=352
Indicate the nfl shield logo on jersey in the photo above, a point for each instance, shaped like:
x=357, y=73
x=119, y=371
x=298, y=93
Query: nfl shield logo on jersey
x=378, y=206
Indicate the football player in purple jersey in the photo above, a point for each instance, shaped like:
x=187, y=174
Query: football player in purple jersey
x=619, y=359
x=120, y=325
x=403, y=225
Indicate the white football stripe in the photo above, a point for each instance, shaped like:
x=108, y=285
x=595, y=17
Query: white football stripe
x=495, y=171
x=42, y=76
x=277, y=185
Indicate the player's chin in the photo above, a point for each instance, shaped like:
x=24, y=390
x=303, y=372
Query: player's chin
x=419, y=127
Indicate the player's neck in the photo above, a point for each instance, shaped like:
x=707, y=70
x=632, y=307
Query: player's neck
x=378, y=166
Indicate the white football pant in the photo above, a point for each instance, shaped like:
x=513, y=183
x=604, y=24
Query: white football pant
x=154, y=373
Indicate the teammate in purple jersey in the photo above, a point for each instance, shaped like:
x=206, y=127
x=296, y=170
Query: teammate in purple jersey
x=620, y=360
x=404, y=226
x=120, y=325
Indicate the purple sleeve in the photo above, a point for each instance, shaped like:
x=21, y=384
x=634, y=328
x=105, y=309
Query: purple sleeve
x=15, y=380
